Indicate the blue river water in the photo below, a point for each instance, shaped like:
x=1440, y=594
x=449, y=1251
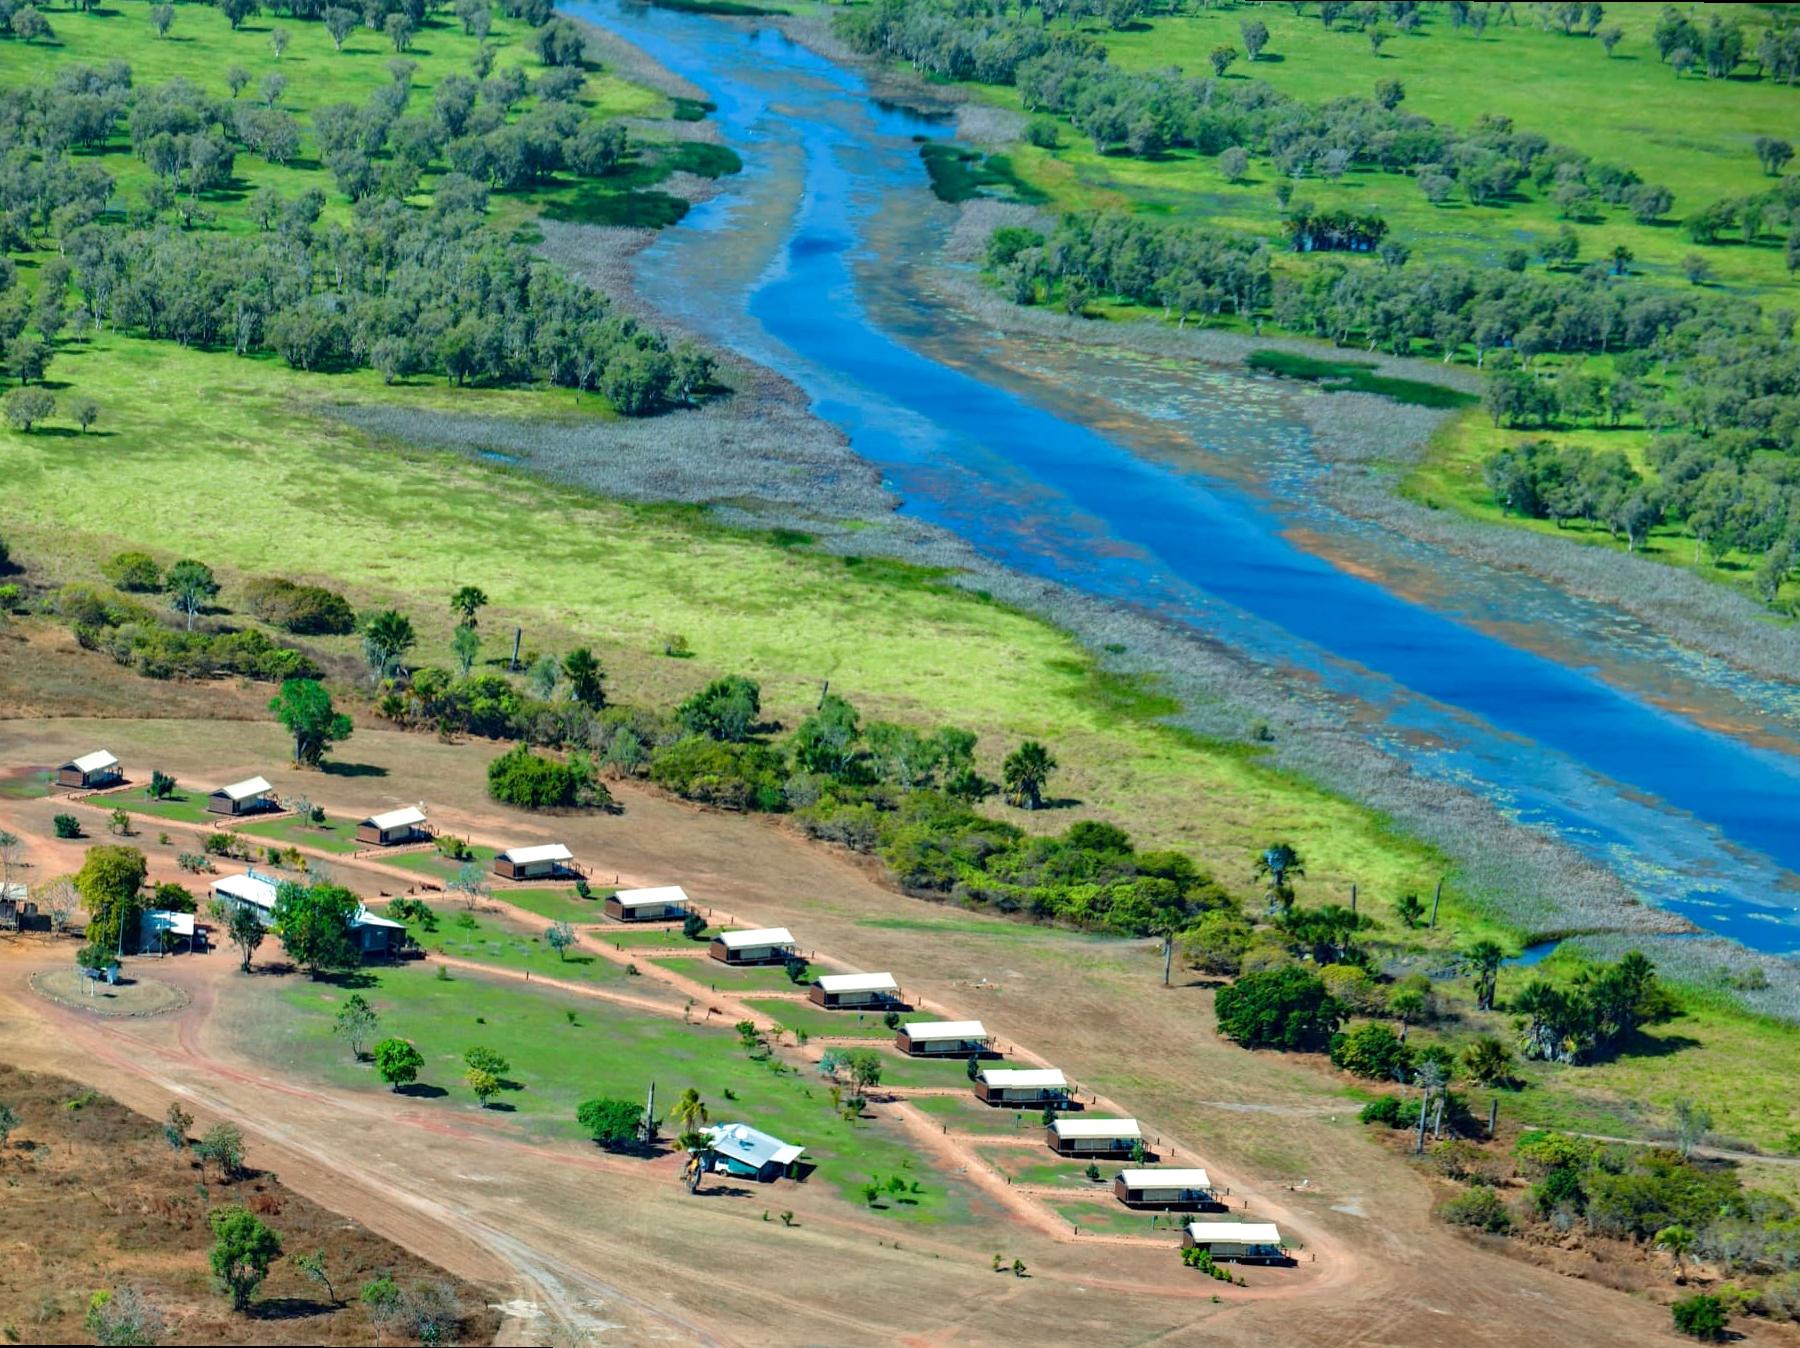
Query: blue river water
x=1699, y=821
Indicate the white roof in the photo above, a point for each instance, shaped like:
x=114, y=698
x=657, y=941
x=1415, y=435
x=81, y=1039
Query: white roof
x=94, y=762
x=738, y=940
x=182, y=924
x=250, y=786
x=520, y=856
x=1025, y=1077
x=743, y=1143
x=15, y=891
x=364, y=918
x=857, y=983
x=1097, y=1128
x=650, y=898
x=246, y=888
x=1170, y=1178
x=944, y=1029
x=1241, y=1233
x=412, y=814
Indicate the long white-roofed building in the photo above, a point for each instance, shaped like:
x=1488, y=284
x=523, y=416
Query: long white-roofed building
x=253, y=795
x=91, y=771
x=1022, y=1086
x=661, y=903
x=942, y=1039
x=1095, y=1137
x=394, y=828
x=860, y=992
x=544, y=861
x=1241, y=1242
x=762, y=945
x=1164, y=1187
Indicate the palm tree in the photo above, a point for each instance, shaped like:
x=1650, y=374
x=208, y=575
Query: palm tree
x=1484, y=959
x=387, y=637
x=1678, y=1240
x=1487, y=1061
x=1279, y=864
x=466, y=602
x=1025, y=771
x=689, y=1114
x=1406, y=1005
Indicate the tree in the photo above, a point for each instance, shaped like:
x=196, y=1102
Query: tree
x=726, y=709
x=689, y=1115
x=1406, y=1005
x=387, y=637
x=397, y=1062
x=1221, y=58
x=223, y=1146
x=313, y=922
x=1234, y=163
x=1701, y=1317
x=340, y=23
x=9, y=1120
x=1410, y=909
x=1280, y=1008
x=85, y=410
x=304, y=707
x=586, y=678
x=466, y=603
x=1610, y=36
x=693, y=926
x=356, y=1023
x=30, y=25
x=1278, y=865
x=191, y=586
x=825, y=742
x=399, y=30
x=1371, y=1050
x=162, y=18
x=243, y=1248
x=245, y=930
x=109, y=880
x=25, y=407
x=543, y=676
x=1692, y=1123
x=1677, y=1241
x=236, y=11
x=483, y=1083
x=1256, y=36
x=1025, y=772
x=1390, y=93
x=175, y=1126
x=612, y=1124
x=278, y=43
x=465, y=646
x=471, y=883
x=559, y=936
x=1487, y=1061
x=380, y=1299
x=558, y=43
x=1483, y=959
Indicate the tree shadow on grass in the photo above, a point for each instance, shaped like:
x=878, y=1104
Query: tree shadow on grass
x=419, y=1090
x=288, y=1308
x=349, y=978
x=716, y=1190
x=352, y=770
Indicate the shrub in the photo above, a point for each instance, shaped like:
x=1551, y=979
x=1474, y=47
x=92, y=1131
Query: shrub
x=66, y=826
x=1701, y=1317
x=535, y=782
x=1282, y=1008
x=1479, y=1207
x=1371, y=1050
x=133, y=571
x=731, y=776
x=611, y=1123
x=310, y=610
x=1388, y=1109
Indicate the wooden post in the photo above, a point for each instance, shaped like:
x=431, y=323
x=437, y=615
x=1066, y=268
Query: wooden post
x=518, y=635
x=1353, y=898
x=1419, y=1146
x=1168, y=957
x=1435, y=898
x=1493, y=1114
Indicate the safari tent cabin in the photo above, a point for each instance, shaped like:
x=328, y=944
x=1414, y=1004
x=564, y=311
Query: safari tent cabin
x=248, y=890
x=90, y=771
x=738, y=1149
x=160, y=930
x=394, y=828
x=1244, y=1242
x=854, y=991
x=942, y=1038
x=543, y=862
x=765, y=945
x=1166, y=1188
x=660, y=904
x=17, y=913
x=250, y=796
x=376, y=935
x=1034, y=1086
x=1094, y=1137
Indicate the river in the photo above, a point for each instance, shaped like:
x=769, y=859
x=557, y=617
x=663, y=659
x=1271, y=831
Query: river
x=1194, y=503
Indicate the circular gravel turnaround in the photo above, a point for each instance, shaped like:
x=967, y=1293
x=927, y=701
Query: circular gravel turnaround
x=133, y=997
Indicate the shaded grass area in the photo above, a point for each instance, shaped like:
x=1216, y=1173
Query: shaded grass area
x=965, y=1114
x=818, y=1021
x=334, y=835
x=961, y=174
x=465, y=936
x=730, y=978
x=557, y=905
x=1108, y=1217
x=440, y=867
x=564, y=1049
x=1358, y=377
x=639, y=938
x=184, y=807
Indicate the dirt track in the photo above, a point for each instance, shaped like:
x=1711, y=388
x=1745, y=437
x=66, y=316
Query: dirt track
x=588, y=1241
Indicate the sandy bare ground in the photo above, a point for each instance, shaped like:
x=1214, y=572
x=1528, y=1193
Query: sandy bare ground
x=587, y=1241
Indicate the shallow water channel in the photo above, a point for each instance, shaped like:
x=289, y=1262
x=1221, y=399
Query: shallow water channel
x=1184, y=492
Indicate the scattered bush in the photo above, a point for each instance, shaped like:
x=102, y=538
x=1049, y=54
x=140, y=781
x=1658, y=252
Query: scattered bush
x=535, y=782
x=1479, y=1207
x=1701, y=1317
x=133, y=571
x=1284, y=1008
x=310, y=610
x=66, y=825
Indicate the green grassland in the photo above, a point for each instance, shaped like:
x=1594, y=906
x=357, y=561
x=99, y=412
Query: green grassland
x=183, y=807
x=732, y=978
x=818, y=1021
x=564, y=1049
x=201, y=46
x=435, y=865
x=643, y=938
x=506, y=946
x=557, y=905
x=334, y=835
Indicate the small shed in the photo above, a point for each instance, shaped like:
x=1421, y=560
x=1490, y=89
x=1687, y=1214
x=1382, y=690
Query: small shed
x=377, y=935
x=862, y=991
x=764, y=945
x=546, y=861
x=1164, y=1188
x=91, y=770
x=1038, y=1086
x=179, y=929
x=942, y=1039
x=394, y=828
x=1094, y=1137
x=1243, y=1242
x=739, y=1149
x=250, y=796
x=659, y=904
x=248, y=890
x=16, y=912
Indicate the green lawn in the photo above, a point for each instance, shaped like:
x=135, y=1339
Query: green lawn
x=334, y=835
x=564, y=1049
x=1109, y=1217
x=818, y=1021
x=466, y=936
x=729, y=978
x=899, y=1070
x=183, y=807
x=440, y=867
x=643, y=938
x=559, y=905
x=966, y=1114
